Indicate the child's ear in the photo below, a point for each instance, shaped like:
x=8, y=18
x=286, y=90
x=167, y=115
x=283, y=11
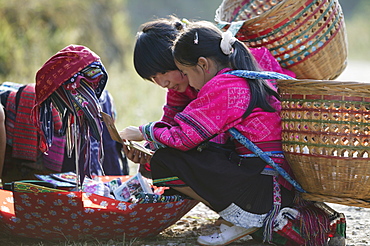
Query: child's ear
x=203, y=63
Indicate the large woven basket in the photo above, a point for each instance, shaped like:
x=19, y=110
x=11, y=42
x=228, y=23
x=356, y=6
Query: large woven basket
x=326, y=137
x=305, y=36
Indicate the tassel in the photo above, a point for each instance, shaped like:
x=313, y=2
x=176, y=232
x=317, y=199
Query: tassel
x=270, y=218
x=314, y=223
x=269, y=222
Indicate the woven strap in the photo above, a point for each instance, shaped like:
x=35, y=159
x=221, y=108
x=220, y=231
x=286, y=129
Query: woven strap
x=273, y=213
x=252, y=147
x=245, y=141
x=234, y=26
x=259, y=75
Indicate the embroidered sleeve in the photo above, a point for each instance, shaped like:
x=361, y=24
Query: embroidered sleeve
x=218, y=107
x=148, y=133
x=176, y=102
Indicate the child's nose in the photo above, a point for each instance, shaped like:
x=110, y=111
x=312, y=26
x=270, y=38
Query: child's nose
x=163, y=82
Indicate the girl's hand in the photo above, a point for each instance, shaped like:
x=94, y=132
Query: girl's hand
x=131, y=133
x=135, y=155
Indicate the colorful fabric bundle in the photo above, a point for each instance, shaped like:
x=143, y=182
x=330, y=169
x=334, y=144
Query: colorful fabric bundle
x=55, y=156
x=115, y=162
x=21, y=133
x=306, y=224
x=155, y=198
x=72, y=81
x=314, y=223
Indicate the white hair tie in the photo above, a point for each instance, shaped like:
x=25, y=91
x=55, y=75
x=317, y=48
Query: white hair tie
x=227, y=42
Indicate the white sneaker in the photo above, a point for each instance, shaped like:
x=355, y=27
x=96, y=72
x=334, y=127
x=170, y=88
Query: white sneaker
x=227, y=234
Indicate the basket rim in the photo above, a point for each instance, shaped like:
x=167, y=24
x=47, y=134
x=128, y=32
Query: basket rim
x=324, y=87
x=251, y=20
x=290, y=5
x=339, y=200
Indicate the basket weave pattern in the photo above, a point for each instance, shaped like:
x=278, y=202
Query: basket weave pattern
x=307, y=37
x=243, y=10
x=326, y=136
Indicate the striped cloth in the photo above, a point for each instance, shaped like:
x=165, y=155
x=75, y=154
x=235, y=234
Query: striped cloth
x=24, y=132
x=20, y=130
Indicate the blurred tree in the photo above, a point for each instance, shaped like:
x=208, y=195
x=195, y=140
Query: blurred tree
x=32, y=31
x=355, y=12
x=358, y=32
x=145, y=10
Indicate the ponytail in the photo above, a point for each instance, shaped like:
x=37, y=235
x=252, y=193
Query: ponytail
x=241, y=59
x=203, y=39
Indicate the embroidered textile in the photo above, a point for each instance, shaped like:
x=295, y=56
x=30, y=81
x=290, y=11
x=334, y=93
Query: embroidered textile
x=54, y=158
x=24, y=133
x=225, y=95
x=21, y=132
x=72, y=80
x=269, y=63
x=240, y=217
x=143, y=197
x=176, y=101
x=60, y=68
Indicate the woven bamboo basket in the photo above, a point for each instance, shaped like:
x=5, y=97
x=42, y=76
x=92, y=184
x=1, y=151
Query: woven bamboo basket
x=326, y=138
x=307, y=36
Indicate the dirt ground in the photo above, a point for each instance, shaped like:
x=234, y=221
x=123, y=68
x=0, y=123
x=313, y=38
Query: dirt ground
x=199, y=221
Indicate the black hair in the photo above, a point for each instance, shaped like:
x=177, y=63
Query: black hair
x=152, y=52
x=202, y=39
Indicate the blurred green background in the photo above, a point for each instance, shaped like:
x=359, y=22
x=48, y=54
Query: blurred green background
x=32, y=31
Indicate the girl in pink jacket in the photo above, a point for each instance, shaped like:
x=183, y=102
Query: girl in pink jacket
x=153, y=61
x=228, y=177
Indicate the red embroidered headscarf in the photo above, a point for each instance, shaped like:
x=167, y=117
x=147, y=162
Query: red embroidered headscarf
x=71, y=81
x=60, y=67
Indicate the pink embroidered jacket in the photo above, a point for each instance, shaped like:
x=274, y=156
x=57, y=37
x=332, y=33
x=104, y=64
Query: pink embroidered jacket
x=219, y=106
x=176, y=101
